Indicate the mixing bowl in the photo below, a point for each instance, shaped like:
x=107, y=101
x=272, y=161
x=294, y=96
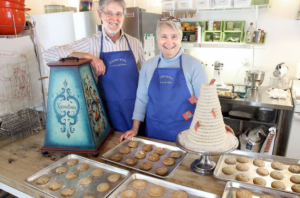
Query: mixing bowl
x=255, y=78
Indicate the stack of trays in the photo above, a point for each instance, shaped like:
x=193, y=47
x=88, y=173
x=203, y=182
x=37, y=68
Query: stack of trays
x=155, y=164
x=267, y=171
x=79, y=189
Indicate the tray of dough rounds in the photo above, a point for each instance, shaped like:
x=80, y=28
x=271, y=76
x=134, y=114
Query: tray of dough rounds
x=169, y=150
x=235, y=189
x=267, y=171
x=139, y=185
x=110, y=175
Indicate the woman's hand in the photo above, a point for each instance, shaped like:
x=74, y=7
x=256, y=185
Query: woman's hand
x=228, y=129
x=129, y=134
x=98, y=65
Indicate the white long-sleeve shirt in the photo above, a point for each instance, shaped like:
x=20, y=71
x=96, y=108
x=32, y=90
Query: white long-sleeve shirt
x=92, y=45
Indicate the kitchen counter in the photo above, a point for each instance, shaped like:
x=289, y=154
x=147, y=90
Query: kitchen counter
x=23, y=158
x=260, y=98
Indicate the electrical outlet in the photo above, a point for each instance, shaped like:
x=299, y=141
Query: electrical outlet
x=245, y=62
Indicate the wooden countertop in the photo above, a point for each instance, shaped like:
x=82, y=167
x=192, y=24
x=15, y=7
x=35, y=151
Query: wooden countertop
x=23, y=158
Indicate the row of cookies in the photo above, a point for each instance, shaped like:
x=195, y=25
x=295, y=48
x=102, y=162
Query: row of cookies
x=84, y=181
x=276, y=174
x=138, y=186
x=242, y=193
x=152, y=157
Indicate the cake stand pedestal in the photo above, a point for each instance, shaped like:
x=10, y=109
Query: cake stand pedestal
x=204, y=165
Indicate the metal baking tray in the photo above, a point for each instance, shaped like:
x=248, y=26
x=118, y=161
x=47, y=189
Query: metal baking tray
x=227, y=97
x=169, y=188
x=252, y=169
x=155, y=165
x=80, y=191
x=256, y=191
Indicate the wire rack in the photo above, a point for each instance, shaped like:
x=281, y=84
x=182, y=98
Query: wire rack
x=23, y=123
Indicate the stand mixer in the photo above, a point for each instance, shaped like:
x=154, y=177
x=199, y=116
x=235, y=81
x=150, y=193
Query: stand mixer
x=218, y=66
x=280, y=80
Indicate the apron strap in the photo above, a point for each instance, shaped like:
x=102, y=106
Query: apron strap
x=179, y=58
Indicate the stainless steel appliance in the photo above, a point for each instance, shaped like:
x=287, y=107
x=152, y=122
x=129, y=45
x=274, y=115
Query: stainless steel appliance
x=293, y=145
x=255, y=78
x=138, y=22
x=218, y=67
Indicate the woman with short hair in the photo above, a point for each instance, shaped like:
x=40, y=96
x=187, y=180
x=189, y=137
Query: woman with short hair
x=166, y=83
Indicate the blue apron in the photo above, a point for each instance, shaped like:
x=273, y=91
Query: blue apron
x=118, y=86
x=168, y=100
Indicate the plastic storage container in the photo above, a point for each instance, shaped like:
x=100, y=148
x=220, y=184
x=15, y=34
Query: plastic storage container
x=202, y=4
x=223, y=3
x=242, y=2
x=184, y=4
x=168, y=5
x=238, y=26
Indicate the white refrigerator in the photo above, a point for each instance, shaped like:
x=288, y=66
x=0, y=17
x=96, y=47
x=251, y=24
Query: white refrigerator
x=56, y=29
x=293, y=144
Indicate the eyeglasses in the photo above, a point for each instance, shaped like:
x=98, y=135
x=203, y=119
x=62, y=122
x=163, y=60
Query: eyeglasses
x=170, y=19
x=110, y=14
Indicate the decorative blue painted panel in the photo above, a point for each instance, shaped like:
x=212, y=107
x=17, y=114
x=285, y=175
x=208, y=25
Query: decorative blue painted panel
x=76, y=119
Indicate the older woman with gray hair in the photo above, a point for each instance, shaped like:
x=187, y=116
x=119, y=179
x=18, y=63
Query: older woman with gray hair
x=116, y=59
x=166, y=83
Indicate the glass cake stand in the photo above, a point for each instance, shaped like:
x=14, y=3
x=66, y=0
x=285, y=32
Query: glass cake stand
x=204, y=165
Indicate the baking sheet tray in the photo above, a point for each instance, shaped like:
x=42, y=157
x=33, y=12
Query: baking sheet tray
x=155, y=165
x=256, y=191
x=227, y=97
x=252, y=169
x=80, y=191
x=169, y=188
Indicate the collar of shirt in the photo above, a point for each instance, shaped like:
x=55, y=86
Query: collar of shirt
x=171, y=59
x=109, y=40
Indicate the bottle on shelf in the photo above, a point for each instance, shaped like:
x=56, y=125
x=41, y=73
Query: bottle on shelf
x=259, y=35
x=198, y=33
x=262, y=36
x=250, y=33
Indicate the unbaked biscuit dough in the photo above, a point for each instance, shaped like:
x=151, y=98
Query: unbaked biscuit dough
x=83, y=167
x=259, y=163
x=278, y=185
x=139, y=184
x=156, y=191
x=243, y=194
x=129, y=194
x=72, y=162
x=72, y=175
x=103, y=187
x=43, y=180
x=242, y=177
x=259, y=181
x=67, y=192
x=230, y=160
x=228, y=170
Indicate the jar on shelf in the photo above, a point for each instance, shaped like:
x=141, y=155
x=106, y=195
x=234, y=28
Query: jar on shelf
x=85, y=5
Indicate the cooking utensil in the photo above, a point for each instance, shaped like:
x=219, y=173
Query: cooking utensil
x=106, y=156
x=169, y=188
x=79, y=190
x=11, y=19
x=265, y=114
x=252, y=169
x=255, y=78
x=9, y=4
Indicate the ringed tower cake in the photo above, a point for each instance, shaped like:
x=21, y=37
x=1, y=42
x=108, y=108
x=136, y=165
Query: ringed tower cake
x=207, y=131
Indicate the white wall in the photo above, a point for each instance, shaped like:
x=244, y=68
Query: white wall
x=282, y=42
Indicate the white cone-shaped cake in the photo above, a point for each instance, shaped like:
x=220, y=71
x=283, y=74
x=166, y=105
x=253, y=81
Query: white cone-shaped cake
x=207, y=133
x=210, y=129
